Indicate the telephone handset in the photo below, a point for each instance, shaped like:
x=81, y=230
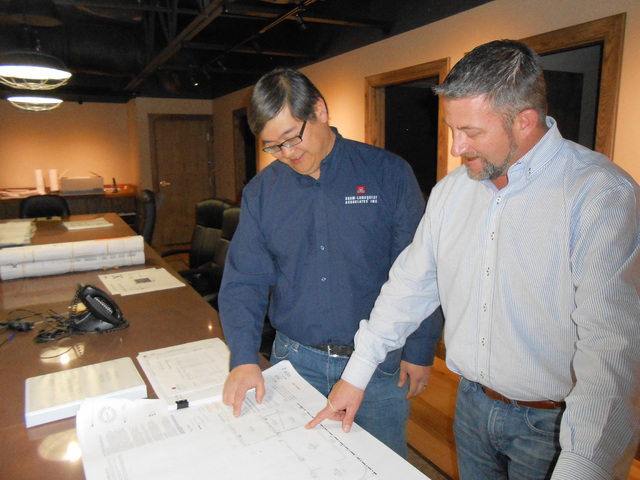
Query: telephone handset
x=101, y=314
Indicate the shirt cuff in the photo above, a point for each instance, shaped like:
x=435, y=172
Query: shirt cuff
x=571, y=466
x=243, y=358
x=358, y=371
x=421, y=345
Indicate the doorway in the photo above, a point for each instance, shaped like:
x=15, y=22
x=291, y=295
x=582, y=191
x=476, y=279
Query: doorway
x=183, y=173
x=405, y=117
x=411, y=128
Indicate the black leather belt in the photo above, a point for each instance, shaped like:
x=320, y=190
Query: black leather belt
x=544, y=404
x=335, y=350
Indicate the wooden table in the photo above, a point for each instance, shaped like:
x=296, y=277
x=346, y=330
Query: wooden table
x=157, y=319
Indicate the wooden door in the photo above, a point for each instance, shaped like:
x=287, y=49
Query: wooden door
x=183, y=173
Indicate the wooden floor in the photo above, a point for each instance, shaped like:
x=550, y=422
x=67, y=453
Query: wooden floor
x=430, y=428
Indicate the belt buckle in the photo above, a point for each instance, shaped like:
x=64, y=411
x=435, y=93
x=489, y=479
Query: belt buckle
x=331, y=354
x=339, y=350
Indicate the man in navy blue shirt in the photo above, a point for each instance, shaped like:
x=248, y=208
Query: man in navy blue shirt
x=319, y=230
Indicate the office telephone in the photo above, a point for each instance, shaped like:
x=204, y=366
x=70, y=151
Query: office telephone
x=93, y=311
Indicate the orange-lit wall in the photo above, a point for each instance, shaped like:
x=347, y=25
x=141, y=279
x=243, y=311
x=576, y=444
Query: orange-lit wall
x=109, y=139
x=341, y=79
x=78, y=139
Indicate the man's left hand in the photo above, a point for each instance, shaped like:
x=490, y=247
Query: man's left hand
x=418, y=378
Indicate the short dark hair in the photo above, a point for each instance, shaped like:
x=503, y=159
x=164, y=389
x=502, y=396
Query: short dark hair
x=277, y=89
x=507, y=72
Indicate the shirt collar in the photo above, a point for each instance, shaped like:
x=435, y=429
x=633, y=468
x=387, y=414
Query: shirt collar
x=331, y=162
x=543, y=151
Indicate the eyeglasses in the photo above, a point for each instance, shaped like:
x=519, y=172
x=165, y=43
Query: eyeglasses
x=291, y=142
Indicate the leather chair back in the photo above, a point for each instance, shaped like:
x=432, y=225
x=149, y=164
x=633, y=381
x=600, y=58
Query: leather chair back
x=208, y=230
x=50, y=205
x=230, y=219
x=145, y=215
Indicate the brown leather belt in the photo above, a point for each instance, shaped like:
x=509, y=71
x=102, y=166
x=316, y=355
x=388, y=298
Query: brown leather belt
x=336, y=350
x=544, y=404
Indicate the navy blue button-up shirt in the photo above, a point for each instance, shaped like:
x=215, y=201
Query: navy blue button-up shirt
x=323, y=248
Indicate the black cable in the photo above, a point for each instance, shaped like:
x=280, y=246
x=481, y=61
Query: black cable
x=7, y=339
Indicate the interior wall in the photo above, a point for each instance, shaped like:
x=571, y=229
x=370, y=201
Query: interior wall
x=74, y=138
x=341, y=79
x=106, y=138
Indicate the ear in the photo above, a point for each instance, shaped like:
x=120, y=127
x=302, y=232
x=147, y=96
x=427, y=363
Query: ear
x=320, y=110
x=526, y=123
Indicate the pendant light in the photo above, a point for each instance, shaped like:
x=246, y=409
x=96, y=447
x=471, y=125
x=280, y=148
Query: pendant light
x=35, y=104
x=32, y=70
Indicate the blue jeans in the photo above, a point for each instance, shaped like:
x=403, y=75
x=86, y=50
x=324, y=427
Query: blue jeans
x=496, y=440
x=384, y=412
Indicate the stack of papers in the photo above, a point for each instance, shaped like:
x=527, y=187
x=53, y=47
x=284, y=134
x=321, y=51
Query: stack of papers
x=16, y=232
x=87, y=224
x=58, y=395
x=139, y=281
x=18, y=192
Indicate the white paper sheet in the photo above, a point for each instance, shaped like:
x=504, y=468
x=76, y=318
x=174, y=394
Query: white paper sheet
x=193, y=372
x=16, y=232
x=139, y=281
x=141, y=439
x=87, y=224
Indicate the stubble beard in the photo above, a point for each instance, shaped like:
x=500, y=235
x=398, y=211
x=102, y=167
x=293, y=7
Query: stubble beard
x=491, y=171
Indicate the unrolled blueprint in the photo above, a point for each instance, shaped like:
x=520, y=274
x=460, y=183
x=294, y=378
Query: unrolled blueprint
x=141, y=439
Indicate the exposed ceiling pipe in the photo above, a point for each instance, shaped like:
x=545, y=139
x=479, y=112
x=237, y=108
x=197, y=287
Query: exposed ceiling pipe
x=210, y=13
x=299, y=8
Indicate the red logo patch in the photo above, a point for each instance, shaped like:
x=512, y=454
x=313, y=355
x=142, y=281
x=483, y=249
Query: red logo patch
x=360, y=190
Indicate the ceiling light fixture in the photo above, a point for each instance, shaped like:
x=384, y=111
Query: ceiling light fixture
x=32, y=71
x=35, y=104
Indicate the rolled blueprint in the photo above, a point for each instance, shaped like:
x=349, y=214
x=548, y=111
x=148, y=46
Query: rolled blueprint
x=53, y=180
x=40, y=182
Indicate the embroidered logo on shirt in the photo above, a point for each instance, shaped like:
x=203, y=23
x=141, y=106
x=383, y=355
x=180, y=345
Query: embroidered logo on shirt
x=360, y=197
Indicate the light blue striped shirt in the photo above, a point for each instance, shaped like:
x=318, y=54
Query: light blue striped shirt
x=539, y=283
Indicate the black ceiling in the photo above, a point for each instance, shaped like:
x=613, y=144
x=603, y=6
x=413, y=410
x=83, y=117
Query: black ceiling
x=199, y=49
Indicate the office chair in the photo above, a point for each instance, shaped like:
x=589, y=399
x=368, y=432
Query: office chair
x=145, y=221
x=204, y=245
x=37, y=206
x=230, y=219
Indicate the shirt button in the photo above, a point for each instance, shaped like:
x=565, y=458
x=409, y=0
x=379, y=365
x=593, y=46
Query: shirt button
x=484, y=307
x=483, y=342
x=322, y=247
x=492, y=236
x=488, y=271
x=481, y=374
x=323, y=279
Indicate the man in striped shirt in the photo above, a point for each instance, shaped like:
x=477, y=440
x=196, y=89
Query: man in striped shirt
x=533, y=249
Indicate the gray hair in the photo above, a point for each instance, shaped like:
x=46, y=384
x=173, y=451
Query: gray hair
x=507, y=72
x=277, y=89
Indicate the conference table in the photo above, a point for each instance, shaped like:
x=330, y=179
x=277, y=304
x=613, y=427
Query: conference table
x=157, y=319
